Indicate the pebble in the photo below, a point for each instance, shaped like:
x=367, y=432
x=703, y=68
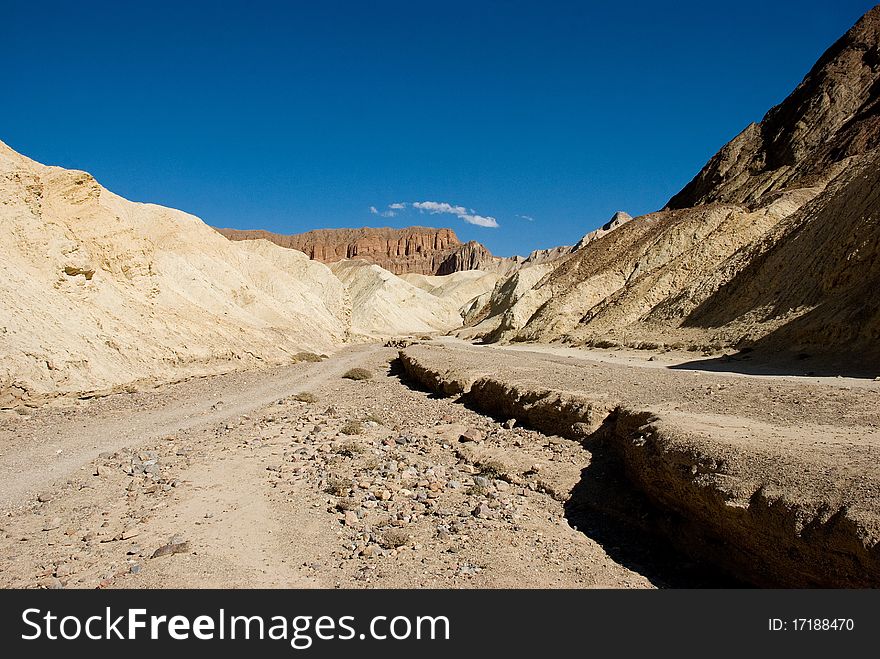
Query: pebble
x=471, y=435
x=510, y=423
x=177, y=545
x=482, y=510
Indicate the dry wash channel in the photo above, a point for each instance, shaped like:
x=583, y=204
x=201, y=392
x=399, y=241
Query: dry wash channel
x=771, y=480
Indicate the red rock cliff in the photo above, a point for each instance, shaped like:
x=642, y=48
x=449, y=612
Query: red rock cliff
x=422, y=250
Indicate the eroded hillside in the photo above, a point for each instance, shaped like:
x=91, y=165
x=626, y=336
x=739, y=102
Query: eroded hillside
x=98, y=292
x=772, y=245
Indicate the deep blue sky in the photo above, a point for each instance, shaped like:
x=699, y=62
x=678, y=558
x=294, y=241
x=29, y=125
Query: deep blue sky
x=292, y=116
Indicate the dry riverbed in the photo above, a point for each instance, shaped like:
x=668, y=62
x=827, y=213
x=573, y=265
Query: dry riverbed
x=299, y=477
x=362, y=483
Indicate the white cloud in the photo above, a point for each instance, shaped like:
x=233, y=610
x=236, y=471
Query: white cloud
x=434, y=207
x=460, y=212
x=388, y=213
x=527, y=218
x=480, y=220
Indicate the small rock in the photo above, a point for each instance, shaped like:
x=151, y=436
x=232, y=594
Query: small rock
x=482, y=510
x=471, y=435
x=171, y=548
x=44, y=498
x=134, y=569
x=351, y=518
x=510, y=423
x=52, y=524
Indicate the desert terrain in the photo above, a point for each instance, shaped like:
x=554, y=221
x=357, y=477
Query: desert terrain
x=688, y=398
x=300, y=477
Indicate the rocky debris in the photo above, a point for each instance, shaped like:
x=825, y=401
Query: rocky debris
x=389, y=496
x=398, y=343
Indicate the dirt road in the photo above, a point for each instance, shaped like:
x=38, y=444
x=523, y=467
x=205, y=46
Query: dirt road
x=54, y=443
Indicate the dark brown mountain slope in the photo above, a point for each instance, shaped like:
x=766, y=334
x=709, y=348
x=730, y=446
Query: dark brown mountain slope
x=832, y=115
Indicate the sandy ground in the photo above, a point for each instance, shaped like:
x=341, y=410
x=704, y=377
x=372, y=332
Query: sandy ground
x=231, y=482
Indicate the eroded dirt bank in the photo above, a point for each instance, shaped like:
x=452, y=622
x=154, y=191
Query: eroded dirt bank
x=772, y=480
x=298, y=477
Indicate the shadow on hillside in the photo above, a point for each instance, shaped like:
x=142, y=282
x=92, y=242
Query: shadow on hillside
x=761, y=362
x=606, y=508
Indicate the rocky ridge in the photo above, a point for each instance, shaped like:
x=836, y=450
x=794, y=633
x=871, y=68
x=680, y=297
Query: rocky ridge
x=807, y=139
x=421, y=250
x=771, y=246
